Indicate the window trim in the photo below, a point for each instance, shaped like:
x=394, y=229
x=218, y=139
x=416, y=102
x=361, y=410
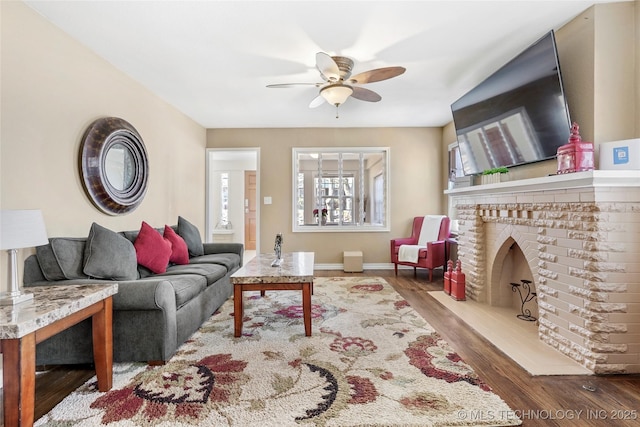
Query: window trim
x=358, y=226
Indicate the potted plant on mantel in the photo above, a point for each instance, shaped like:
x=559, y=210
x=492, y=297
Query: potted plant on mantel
x=494, y=176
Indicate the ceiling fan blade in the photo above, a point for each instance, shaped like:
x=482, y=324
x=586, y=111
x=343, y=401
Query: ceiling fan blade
x=317, y=101
x=365, y=95
x=279, y=85
x=327, y=67
x=377, y=75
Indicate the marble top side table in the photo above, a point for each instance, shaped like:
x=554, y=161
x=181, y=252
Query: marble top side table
x=52, y=310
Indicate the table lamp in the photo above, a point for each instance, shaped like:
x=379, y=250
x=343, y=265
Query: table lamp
x=19, y=229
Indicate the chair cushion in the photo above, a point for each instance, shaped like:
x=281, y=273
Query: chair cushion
x=191, y=236
x=229, y=260
x=211, y=272
x=421, y=254
x=109, y=255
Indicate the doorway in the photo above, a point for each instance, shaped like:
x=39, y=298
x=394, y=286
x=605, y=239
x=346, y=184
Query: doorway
x=232, y=194
x=250, y=210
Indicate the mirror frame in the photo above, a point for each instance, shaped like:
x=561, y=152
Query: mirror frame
x=342, y=228
x=98, y=139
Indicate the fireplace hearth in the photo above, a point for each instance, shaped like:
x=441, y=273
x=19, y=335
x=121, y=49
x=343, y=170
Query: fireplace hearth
x=580, y=238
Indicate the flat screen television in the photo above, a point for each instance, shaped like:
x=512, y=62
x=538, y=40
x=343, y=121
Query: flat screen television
x=518, y=115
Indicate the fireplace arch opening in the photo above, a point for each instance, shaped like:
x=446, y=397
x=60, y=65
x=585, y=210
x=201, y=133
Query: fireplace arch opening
x=510, y=266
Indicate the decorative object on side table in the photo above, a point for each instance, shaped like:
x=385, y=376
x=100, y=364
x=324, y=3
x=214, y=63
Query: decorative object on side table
x=576, y=155
x=277, y=248
x=19, y=229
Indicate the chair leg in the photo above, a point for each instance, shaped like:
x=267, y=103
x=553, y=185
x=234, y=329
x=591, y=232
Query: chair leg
x=415, y=272
x=430, y=275
x=396, y=268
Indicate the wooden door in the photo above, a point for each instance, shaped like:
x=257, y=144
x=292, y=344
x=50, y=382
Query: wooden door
x=250, y=210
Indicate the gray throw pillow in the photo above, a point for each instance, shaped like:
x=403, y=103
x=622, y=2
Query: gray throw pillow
x=109, y=255
x=69, y=253
x=191, y=236
x=48, y=263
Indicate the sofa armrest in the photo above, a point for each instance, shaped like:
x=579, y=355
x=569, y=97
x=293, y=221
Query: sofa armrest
x=219, y=248
x=156, y=294
x=149, y=294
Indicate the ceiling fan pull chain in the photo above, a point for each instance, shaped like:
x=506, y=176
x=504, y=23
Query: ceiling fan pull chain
x=337, y=115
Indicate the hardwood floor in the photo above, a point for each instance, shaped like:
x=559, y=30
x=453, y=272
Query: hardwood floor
x=537, y=400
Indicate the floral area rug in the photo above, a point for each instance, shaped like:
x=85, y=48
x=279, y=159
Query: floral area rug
x=372, y=361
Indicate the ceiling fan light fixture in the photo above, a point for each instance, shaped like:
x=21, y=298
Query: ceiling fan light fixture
x=336, y=94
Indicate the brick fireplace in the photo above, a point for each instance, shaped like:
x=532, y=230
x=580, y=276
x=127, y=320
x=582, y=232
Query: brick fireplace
x=577, y=237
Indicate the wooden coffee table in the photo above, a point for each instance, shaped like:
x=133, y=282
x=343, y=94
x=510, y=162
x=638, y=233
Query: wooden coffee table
x=52, y=310
x=294, y=273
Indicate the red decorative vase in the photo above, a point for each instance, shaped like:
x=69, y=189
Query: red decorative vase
x=458, y=291
x=576, y=155
x=447, y=278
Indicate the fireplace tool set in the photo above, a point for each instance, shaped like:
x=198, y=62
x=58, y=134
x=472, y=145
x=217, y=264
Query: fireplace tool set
x=525, y=313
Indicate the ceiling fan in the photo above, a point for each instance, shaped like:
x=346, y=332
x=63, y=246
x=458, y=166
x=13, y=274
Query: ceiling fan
x=338, y=83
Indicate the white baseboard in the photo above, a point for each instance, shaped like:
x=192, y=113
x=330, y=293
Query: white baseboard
x=365, y=266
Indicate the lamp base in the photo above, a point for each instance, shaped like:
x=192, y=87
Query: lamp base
x=14, y=298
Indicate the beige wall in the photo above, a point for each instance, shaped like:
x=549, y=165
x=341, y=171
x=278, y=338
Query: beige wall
x=615, y=80
x=416, y=183
x=637, y=65
x=598, y=55
x=52, y=89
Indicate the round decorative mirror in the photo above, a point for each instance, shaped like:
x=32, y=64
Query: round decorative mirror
x=114, y=165
x=119, y=164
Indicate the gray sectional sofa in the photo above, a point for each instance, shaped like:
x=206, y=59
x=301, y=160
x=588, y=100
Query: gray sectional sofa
x=153, y=313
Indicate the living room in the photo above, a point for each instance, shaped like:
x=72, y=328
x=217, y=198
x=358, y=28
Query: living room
x=53, y=87
x=56, y=102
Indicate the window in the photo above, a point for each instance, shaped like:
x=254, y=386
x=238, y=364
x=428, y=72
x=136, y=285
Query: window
x=224, y=197
x=335, y=195
x=378, y=199
x=340, y=189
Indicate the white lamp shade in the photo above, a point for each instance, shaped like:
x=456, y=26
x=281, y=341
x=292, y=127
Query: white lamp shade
x=336, y=94
x=22, y=229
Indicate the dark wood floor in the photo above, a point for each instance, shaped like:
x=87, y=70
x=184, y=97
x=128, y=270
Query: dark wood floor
x=539, y=401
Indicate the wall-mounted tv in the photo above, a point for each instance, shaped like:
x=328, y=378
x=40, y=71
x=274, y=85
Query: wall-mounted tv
x=518, y=115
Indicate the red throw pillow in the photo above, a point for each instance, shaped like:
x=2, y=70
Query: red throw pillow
x=179, y=249
x=152, y=250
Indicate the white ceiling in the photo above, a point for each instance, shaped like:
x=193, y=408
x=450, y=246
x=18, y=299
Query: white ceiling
x=212, y=60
